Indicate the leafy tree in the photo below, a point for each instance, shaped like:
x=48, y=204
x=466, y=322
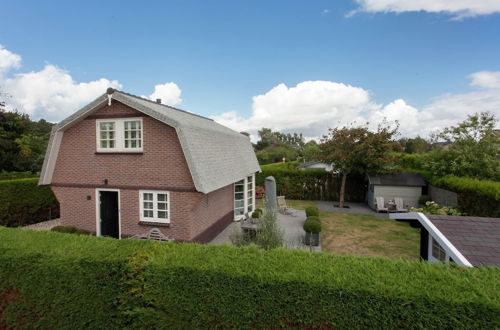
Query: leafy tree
x=473, y=150
x=311, y=150
x=416, y=145
x=358, y=150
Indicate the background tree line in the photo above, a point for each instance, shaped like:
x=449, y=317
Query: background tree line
x=22, y=141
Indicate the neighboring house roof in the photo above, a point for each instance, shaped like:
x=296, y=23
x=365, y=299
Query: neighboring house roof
x=309, y=163
x=398, y=179
x=216, y=155
x=472, y=241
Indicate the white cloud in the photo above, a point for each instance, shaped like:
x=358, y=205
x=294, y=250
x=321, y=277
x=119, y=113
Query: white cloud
x=169, y=93
x=8, y=60
x=485, y=79
x=458, y=8
x=52, y=93
x=312, y=107
x=326, y=11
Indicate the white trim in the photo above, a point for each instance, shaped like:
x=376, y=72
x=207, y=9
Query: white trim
x=450, y=249
x=245, y=197
x=155, y=206
x=51, y=161
x=119, y=135
x=98, y=211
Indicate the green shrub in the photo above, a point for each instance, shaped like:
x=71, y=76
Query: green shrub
x=312, y=225
x=23, y=202
x=314, y=184
x=280, y=166
x=257, y=213
x=70, y=281
x=16, y=175
x=433, y=208
x=70, y=230
x=424, y=199
x=65, y=229
x=312, y=211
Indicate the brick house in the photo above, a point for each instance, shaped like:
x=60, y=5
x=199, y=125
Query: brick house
x=123, y=165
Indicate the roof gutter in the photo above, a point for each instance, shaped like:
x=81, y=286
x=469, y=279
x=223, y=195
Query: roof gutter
x=436, y=234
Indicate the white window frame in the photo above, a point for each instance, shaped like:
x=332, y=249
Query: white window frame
x=246, y=212
x=430, y=257
x=155, y=206
x=119, y=135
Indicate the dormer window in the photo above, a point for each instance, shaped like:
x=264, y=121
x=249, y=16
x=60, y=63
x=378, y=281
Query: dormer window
x=119, y=135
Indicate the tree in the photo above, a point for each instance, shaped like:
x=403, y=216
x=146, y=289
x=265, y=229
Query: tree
x=311, y=150
x=358, y=150
x=472, y=152
x=416, y=145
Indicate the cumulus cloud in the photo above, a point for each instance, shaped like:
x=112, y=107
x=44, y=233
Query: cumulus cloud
x=485, y=79
x=8, y=60
x=52, y=93
x=458, y=8
x=169, y=93
x=312, y=107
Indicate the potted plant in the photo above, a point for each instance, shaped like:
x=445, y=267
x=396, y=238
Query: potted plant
x=312, y=227
x=257, y=214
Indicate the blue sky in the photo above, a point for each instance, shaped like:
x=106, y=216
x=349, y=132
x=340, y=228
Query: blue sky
x=221, y=54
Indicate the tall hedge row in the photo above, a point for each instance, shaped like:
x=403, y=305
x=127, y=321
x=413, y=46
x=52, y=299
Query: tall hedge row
x=475, y=197
x=314, y=184
x=54, y=280
x=23, y=202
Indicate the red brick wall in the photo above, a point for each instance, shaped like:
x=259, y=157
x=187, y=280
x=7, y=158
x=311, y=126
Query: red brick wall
x=80, y=170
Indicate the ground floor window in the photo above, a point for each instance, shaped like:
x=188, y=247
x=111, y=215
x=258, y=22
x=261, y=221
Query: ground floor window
x=155, y=206
x=244, y=196
x=438, y=252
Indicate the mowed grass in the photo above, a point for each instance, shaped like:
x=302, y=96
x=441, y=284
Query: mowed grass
x=362, y=234
x=366, y=235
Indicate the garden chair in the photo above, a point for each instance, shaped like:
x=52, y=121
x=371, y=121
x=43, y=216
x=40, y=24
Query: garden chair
x=282, y=204
x=380, y=205
x=399, y=205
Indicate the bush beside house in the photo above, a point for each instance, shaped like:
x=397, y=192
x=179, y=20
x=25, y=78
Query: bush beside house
x=49, y=280
x=23, y=202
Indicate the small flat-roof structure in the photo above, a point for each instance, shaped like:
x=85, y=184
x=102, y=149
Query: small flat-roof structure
x=407, y=186
x=315, y=164
x=468, y=241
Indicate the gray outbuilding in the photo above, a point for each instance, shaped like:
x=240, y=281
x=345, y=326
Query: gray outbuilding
x=407, y=186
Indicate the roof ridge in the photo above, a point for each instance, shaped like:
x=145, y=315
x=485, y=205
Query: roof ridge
x=163, y=105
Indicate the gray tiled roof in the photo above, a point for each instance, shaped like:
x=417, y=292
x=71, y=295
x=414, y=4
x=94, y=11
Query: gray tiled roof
x=478, y=239
x=398, y=179
x=216, y=155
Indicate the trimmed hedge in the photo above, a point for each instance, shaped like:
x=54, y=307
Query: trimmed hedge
x=475, y=197
x=23, y=202
x=49, y=280
x=314, y=184
x=16, y=175
x=312, y=225
x=312, y=211
x=70, y=230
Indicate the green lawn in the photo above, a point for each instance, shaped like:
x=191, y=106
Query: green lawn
x=364, y=235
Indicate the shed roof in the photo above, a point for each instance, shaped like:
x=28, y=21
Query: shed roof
x=477, y=238
x=397, y=179
x=216, y=155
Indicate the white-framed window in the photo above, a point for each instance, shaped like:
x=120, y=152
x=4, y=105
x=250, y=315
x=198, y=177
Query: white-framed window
x=119, y=135
x=244, y=197
x=438, y=252
x=155, y=206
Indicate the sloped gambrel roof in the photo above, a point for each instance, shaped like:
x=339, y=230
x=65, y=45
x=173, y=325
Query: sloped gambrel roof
x=216, y=155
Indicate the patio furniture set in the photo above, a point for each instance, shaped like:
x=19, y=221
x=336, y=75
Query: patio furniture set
x=392, y=206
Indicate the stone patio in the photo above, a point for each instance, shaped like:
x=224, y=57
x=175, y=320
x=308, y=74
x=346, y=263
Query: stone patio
x=290, y=223
x=44, y=225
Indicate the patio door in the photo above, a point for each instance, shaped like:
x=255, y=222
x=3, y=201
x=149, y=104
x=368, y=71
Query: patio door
x=244, y=197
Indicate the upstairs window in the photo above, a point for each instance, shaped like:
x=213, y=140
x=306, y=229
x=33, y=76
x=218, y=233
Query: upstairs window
x=119, y=135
